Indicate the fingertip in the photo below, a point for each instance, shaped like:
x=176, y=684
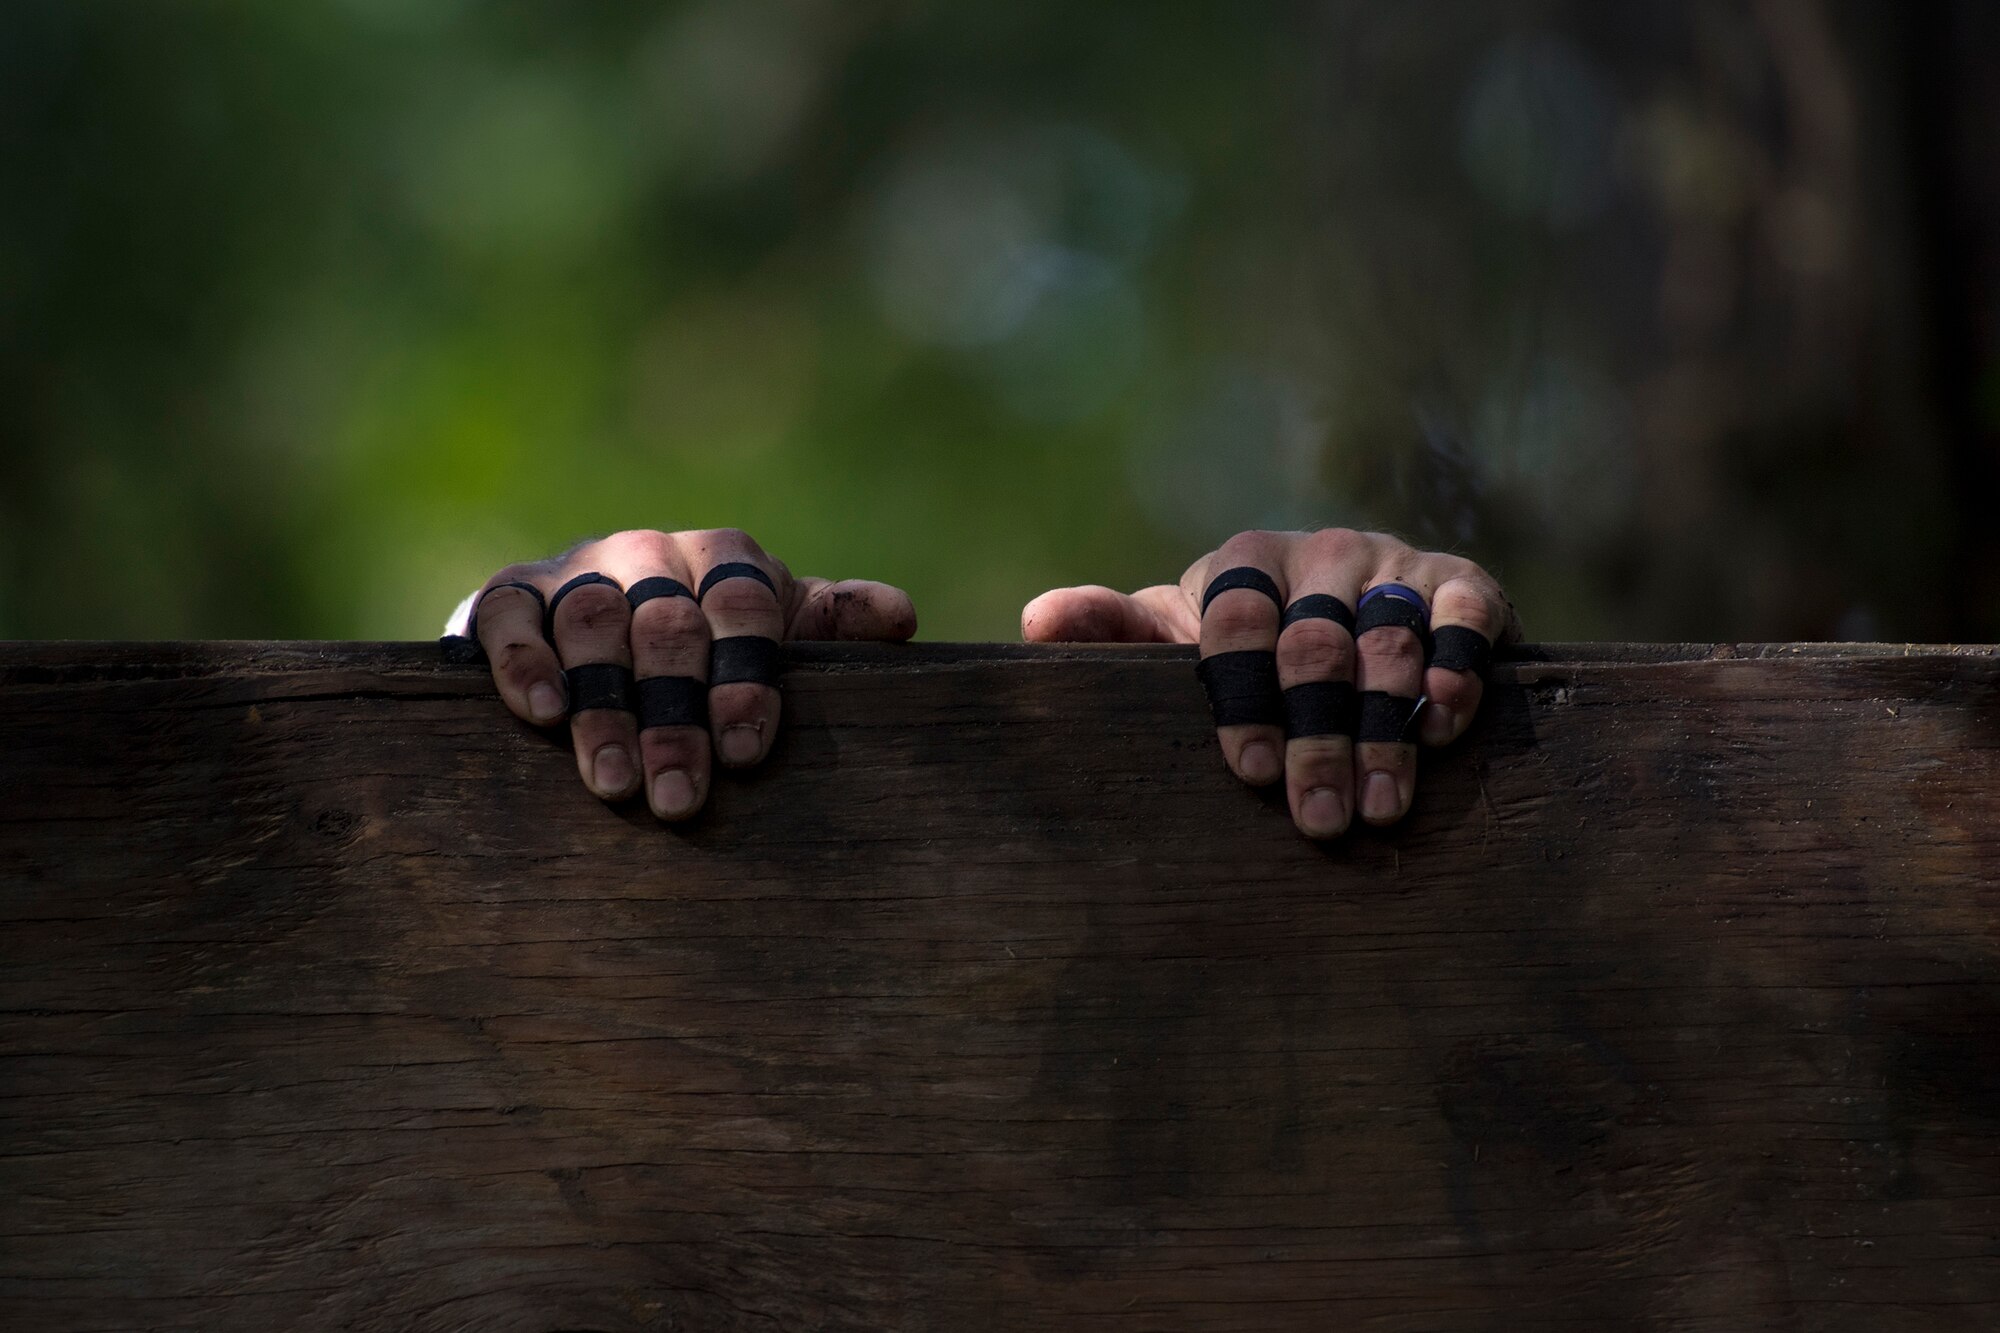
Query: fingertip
x=894, y=618
x=1451, y=700
x=1386, y=790
x=1381, y=801
x=741, y=744
x=743, y=721
x=856, y=610
x=613, y=774
x=1259, y=763
x=1042, y=620
x=545, y=704
x=674, y=795
x=1254, y=753
x=677, y=760
x=1319, y=781
x=1322, y=812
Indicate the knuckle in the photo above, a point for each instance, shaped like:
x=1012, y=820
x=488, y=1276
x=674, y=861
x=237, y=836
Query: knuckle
x=1391, y=650
x=594, y=609
x=1243, y=548
x=665, y=622
x=595, y=728
x=1336, y=546
x=673, y=747
x=647, y=547
x=1460, y=603
x=1392, y=558
x=1316, y=650
x=515, y=573
x=1317, y=761
x=741, y=599
x=1392, y=757
x=1241, y=614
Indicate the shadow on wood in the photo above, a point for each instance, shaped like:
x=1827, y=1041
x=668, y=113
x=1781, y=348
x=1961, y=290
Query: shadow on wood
x=332, y=1000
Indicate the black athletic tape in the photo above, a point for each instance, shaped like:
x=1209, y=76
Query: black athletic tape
x=459, y=650
x=599, y=685
x=1461, y=649
x=672, y=701
x=746, y=657
x=580, y=581
x=1243, y=576
x=659, y=585
x=1318, y=606
x=466, y=647
x=1322, y=708
x=1242, y=688
x=736, y=569
x=1386, y=717
x=1391, y=612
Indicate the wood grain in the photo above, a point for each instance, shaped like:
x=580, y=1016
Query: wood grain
x=330, y=999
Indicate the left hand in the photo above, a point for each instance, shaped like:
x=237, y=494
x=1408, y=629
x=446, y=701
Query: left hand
x=644, y=606
x=1370, y=678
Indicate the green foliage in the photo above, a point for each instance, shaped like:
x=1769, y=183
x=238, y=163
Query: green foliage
x=315, y=314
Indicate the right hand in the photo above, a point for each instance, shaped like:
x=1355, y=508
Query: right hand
x=1330, y=773
x=664, y=636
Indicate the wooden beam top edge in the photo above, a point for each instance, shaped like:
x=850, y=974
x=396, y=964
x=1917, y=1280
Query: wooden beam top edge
x=79, y=661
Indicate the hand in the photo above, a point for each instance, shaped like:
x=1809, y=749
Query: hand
x=640, y=621
x=1361, y=679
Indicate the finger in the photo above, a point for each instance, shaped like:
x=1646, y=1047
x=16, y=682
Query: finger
x=670, y=646
x=853, y=609
x=1094, y=614
x=1316, y=673
x=737, y=585
x=1240, y=600
x=1316, y=658
x=1389, y=626
x=1468, y=616
x=507, y=622
x=591, y=626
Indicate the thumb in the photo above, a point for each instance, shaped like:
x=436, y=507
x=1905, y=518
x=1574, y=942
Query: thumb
x=1092, y=614
x=851, y=609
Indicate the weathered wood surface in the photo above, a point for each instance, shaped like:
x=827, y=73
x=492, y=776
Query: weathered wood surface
x=329, y=999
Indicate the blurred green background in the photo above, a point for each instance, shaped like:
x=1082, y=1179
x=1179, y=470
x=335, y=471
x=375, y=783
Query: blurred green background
x=1679, y=316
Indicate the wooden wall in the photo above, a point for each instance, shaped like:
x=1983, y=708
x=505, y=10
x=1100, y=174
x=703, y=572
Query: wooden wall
x=330, y=999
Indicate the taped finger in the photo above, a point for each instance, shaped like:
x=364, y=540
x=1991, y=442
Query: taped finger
x=1466, y=620
x=506, y=625
x=670, y=644
x=1238, y=670
x=590, y=621
x=740, y=598
x=1392, y=623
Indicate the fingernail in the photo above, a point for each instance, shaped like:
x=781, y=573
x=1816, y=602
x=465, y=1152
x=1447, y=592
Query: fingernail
x=612, y=768
x=1322, y=813
x=1259, y=763
x=1378, y=797
x=544, y=702
x=673, y=793
x=1437, y=725
x=740, y=744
